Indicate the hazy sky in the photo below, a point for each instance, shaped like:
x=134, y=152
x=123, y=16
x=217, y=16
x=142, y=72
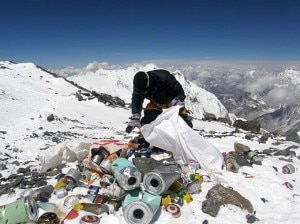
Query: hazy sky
x=59, y=33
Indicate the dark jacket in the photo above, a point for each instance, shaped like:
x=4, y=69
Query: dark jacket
x=162, y=90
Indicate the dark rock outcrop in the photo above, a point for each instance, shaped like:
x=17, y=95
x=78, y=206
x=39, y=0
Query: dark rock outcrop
x=293, y=137
x=251, y=126
x=229, y=196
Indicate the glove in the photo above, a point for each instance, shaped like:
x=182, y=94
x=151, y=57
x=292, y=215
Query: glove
x=134, y=122
x=177, y=102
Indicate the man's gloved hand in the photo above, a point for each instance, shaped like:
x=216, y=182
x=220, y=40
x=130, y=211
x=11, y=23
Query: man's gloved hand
x=134, y=122
x=177, y=102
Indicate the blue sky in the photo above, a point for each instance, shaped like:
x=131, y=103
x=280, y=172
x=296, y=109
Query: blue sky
x=59, y=33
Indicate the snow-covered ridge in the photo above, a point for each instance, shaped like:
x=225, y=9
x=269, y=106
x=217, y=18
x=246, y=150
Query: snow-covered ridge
x=292, y=75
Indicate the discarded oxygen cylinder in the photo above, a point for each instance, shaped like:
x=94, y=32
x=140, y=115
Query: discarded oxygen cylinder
x=140, y=207
x=126, y=174
x=48, y=217
x=73, y=176
x=253, y=157
x=90, y=219
x=105, y=166
x=288, y=169
x=160, y=179
x=96, y=209
x=22, y=210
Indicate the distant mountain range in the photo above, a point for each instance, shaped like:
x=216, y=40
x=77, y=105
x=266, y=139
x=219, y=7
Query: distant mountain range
x=270, y=97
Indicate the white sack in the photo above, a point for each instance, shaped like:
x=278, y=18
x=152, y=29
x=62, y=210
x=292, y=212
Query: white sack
x=68, y=151
x=170, y=132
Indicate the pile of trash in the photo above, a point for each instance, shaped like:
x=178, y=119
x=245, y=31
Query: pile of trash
x=117, y=176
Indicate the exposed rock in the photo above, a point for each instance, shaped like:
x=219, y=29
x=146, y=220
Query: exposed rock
x=241, y=160
x=79, y=96
x=17, y=163
x=2, y=166
x=251, y=218
x=240, y=148
x=249, y=136
x=268, y=151
x=229, y=196
x=7, y=187
x=252, y=126
x=225, y=120
x=50, y=118
x=25, y=171
x=264, y=138
x=108, y=99
x=277, y=143
x=293, y=137
x=293, y=147
x=23, y=180
x=231, y=164
x=209, y=117
x=211, y=206
x=285, y=152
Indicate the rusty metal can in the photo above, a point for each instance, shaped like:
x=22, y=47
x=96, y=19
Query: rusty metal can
x=112, y=157
x=288, y=169
x=194, y=165
x=173, y=209
x=105, y=166
x=101, y=199
x=48, y=218
x=97, y=159
x=288, y=185
x=61, y=192
x=90, y=219
x=73, y=175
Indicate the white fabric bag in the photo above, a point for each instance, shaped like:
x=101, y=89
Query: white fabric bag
x=170, y=132
x=68, y=151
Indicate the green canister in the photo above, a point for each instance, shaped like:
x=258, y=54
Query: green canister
x=140, y=207
x=126, y=174
x=20, y=211
x=250, y=154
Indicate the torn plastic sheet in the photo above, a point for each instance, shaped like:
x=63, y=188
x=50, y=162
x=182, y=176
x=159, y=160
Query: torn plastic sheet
x=170, y=132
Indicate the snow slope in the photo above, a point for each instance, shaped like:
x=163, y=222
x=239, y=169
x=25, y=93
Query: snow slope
x=29, y=95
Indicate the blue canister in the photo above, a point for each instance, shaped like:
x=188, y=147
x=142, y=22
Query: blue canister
x=140, y=207
x=126, y=174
